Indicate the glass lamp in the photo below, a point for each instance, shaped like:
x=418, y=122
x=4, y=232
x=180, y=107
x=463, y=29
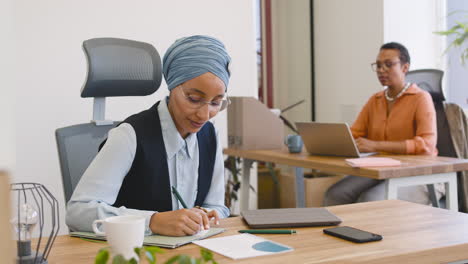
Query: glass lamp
x=31, y=201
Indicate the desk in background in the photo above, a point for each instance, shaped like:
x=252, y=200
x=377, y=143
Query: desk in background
x=412, y=233
x=415, y=170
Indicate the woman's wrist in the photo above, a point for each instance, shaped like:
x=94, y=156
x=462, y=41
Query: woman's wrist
x=152, y=224
x=377, y=146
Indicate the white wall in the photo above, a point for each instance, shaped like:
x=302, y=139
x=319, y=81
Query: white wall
x=51, y=65
x=7, y=91
x=347, y=37
x=412, y=23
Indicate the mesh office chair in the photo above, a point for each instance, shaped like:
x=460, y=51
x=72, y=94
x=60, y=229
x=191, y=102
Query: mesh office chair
x=430, y=80
x=116, y=67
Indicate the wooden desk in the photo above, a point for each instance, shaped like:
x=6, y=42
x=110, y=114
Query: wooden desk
x=416, y=170
x=412, y=233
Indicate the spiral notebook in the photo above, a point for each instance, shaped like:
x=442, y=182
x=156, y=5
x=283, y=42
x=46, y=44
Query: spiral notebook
x=160, y=241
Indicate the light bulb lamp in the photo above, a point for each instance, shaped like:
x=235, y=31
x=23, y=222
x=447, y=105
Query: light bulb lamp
x=32, y=202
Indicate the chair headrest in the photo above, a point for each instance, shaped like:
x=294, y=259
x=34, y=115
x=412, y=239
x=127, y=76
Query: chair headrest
x=121, y=67
x=429, y=80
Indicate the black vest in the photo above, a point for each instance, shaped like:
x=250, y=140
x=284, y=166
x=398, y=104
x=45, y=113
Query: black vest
x=147, y=185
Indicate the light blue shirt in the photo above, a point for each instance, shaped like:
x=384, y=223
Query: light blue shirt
x=100, y=184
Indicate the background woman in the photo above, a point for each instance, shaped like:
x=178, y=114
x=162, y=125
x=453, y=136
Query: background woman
x=400, y=119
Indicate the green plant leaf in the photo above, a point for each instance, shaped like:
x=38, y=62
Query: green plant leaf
x=234, y=196
x=272, y=171
x=451, y=31
x=460, y=33
x=233, y=184
x=150, y=257
x=173, y=259
x=154, y=250
x=462, y=25
x=102, y=256
x=206, y=254
x=150, y=253
x=181, y=259
x=138, y=251
x=119, y=259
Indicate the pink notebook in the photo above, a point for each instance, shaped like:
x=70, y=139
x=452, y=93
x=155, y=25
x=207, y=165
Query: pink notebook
x=373, y=162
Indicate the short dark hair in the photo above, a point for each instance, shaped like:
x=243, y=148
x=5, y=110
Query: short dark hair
x=404, y=54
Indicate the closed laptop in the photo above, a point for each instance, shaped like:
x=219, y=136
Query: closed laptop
x=289, y=217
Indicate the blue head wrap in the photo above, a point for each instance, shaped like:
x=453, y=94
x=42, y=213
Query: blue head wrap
x=193, y=56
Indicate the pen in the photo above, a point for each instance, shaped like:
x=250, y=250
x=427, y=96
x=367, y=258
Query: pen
x=203, y=209
x=177, y=195
x=268, y=231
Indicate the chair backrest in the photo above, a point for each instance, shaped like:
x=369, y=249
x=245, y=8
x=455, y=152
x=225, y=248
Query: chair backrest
x=116, y=67
x=77, y=146
x=430, y=80
x=121, y=67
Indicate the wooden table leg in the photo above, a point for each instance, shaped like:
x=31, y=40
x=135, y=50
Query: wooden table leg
x=245, y=184
x=300, y=193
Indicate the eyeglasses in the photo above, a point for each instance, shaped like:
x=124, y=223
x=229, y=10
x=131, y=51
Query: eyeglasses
x=383, y=66
x=196, y=101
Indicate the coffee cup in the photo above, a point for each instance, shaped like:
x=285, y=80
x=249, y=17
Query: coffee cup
x=124, y=233
x=294, y=143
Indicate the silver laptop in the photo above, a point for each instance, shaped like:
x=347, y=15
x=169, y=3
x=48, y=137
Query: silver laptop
x=329, y=139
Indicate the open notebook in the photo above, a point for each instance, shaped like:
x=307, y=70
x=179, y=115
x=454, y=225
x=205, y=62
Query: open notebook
x=160, y=241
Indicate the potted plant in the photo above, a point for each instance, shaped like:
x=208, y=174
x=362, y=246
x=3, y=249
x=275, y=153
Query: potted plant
x=103, y=257
x=233, y=183
x=460, y=33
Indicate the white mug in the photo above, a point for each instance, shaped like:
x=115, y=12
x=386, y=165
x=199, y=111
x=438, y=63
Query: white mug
x=124, y=233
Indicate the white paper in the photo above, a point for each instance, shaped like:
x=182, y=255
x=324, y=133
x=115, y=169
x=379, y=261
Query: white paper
x=243, y=246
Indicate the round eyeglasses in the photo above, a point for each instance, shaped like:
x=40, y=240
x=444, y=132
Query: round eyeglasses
x=383, y=66
x=196, y=101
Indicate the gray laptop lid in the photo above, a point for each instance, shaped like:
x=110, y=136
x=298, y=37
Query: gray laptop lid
x=289, y=217
x=330, y=139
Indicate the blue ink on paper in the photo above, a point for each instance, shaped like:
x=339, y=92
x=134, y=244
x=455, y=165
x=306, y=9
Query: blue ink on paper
x=269, y=247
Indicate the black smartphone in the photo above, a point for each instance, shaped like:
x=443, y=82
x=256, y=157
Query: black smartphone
x=352, y=234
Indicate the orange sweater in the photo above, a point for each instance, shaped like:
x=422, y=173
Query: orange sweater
x=411, y=119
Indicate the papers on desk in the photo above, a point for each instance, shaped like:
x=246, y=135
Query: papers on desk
x=160, y=241
x=373, y=162
x=243, y=246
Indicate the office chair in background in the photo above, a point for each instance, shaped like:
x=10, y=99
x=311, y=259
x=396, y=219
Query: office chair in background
x=116, y=67
x=430, y=80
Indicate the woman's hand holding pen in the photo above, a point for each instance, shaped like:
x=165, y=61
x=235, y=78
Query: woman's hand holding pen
x=211, y=214
x=182, y=222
